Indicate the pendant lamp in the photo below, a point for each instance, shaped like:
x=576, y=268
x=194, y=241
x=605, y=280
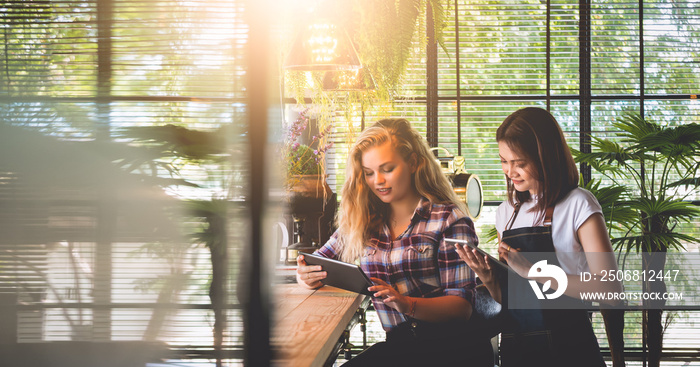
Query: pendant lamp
x=321, y=46
x=348, y=80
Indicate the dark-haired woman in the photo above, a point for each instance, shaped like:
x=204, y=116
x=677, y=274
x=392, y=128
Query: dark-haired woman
x=545, y=213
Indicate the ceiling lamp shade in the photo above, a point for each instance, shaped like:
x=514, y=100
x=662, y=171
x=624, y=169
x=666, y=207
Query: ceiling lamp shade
x=348, y=80
x=322, y=46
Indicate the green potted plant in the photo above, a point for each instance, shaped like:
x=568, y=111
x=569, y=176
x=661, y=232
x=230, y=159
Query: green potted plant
x=305, y=170
x=653, y=169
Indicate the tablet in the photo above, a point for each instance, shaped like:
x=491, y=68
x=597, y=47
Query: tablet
x=341, y=274
x=499, y=264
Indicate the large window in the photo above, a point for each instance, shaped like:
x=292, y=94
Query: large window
x=588, y=62
x=586, y=65
x=122, y=142
x=120, y=203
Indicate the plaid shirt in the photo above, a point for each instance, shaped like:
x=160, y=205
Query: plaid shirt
x=418, y=263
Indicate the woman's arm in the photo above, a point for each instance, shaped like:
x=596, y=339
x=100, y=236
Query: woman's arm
x=593, y=236
x=594, y=239
x=480, y=265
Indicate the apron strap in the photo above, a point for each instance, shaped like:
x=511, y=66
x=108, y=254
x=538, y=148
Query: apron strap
x=548, y=216
x=511, y=220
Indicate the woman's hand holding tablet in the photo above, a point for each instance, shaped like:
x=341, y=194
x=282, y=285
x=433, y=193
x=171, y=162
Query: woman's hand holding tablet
x=309, y=276
x=462, y=245
x=318, y=270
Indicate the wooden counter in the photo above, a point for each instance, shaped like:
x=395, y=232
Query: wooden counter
x=309, y=323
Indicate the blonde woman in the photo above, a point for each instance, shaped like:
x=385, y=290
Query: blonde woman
x=396, y=209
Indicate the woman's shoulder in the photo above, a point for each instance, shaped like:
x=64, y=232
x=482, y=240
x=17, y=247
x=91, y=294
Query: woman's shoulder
x=447, y=213
x=579, y=197
x=447, y=220
x=578, y=205
x=505, y=205
x=440, y=210
x=504, y=208
x=447, y=209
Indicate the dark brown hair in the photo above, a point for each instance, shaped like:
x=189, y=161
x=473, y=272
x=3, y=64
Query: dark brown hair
x=534, y=134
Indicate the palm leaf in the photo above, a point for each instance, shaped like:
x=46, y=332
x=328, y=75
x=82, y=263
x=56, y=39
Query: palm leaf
x=676, y=142
x=651, y=241
x=491, y=235
x=611, y=158
x=633, y=127
x=686, y=182
x=597, y=162
x=616, y=153
x=687, y=165
x=664, y=209
x=662, y=152
x=611, y=199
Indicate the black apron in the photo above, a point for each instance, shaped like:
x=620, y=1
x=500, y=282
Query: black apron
x=543, y=337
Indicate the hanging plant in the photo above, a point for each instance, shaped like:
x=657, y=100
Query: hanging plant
x=385, y=35
x=383, y=32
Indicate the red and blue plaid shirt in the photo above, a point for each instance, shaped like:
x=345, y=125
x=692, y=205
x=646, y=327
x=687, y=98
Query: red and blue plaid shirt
x=418, y=263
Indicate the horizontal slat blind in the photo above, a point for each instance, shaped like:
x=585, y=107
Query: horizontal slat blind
x=50, y=48
x=564, y=47
x=93, y=249
x=175, y=48
x=479, y=123
x=502, y=55
x=502, y=46
x=615, y=47
x=502, y=67
x=671, y=47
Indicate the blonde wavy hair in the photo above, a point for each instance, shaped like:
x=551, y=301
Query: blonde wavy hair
x=361, y=211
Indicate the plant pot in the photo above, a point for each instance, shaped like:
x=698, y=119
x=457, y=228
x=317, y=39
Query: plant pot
x=313, y=186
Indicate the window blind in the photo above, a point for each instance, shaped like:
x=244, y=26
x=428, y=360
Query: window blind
x=98, y=243
x=503, y=55
x=671, y=47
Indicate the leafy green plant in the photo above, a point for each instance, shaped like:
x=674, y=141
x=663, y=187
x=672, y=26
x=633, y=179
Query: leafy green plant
x=303, y=159
x=659, y=166
x=166, y=148
x=653, y=170
x=611, y=199
x=386, y=31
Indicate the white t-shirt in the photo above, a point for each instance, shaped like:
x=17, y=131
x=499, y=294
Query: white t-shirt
x=569, y=214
